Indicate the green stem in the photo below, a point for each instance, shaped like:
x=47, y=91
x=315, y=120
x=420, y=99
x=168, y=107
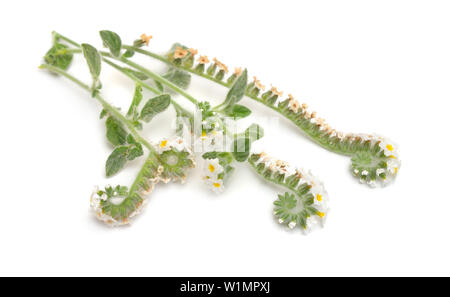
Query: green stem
x=141, y=174
x=157, y=78
x=136, y=66
x=57, y=36
x=147, y=86
x=325, y=143
x=165, y=60
x=270, y=178
x=112, y=110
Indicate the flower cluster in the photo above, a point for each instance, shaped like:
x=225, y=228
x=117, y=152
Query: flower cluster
x=116, y=206
x=306, y=203
x=213, y=174
x=176, y=159
x=377, y=163
x=374, y=159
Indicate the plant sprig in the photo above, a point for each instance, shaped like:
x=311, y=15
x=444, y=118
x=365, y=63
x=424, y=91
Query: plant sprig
x=304, y=202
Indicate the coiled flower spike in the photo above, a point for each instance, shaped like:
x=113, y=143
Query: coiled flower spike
x=374, y=159
x=176, y=159
x=305, y=205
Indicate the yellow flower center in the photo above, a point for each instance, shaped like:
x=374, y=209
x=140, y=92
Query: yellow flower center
x=216, y=185
x=163, y=143
x=390, y=147
x=203, y=134
x=392, y=157
x=211, y=167
x=396, y=170
x=321, y=214
x=319, y=197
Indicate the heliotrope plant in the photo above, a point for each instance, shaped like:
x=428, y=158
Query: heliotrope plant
x=206, y=134
x=374, y=157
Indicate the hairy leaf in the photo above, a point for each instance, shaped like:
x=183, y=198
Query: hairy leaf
x=115, y=132
x=58, y=56
x=137, y=97
x=237, y=91
x=137, y=74
x=135, y=152
x=254, y=132
x=93, y=59
x=179, y=77
x=116, y=160
x=238, y=111
x=112, y=41
x=241, y=149
x=154, y=106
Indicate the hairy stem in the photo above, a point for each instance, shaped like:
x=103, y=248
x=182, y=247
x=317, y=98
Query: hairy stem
x=112, y=110
x=147, y=86
x=146, y=71
x=309, y=130
x=270, y=178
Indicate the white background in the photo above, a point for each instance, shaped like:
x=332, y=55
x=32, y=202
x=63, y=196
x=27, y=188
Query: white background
x=365, y=66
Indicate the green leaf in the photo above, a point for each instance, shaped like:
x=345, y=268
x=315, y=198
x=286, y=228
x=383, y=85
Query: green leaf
x=103, y=113
x=128, y=54
x=130, y=139
x=115, y=132
x=137, y=74
x=58, y=56
x=238, y=111
x=93, y=59
x=241, y=149
x=180, y=78
x=159, y=86
x=137, y=97
x=237, y=91
x=135, y=152
x=116, y=160
x=254, y=132
x=112, y=41
x=154, y=106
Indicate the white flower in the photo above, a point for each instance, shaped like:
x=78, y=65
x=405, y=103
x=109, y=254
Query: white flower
x=389, y=147
x=294, y=105
x=311, y=224
x=163, y=146
x=212, y=141
x=380, y=171
x=292, y=225
x=392, y=166
x=212, y=168
x=216, y=185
